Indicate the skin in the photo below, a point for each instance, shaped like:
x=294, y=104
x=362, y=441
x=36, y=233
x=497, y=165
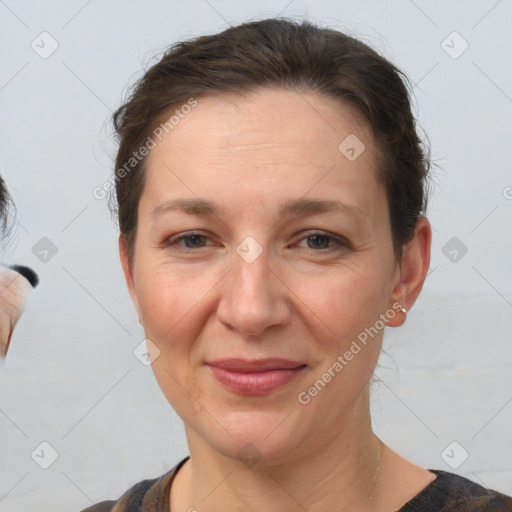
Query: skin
x=249, y=154
x=14, y=290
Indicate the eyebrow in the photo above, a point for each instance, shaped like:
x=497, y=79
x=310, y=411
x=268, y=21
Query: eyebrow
x=298, y=207
x=191, y=206
x=309, y=206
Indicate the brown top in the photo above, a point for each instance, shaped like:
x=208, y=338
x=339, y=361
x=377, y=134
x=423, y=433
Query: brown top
x=447, y=493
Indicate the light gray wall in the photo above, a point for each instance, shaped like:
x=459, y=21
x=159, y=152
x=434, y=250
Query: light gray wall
x=71, y=379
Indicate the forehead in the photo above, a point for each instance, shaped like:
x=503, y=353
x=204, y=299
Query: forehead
x=271, y=143
x=273, y=115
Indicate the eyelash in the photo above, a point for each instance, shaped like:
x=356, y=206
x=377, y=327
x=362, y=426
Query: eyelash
x=337, y=245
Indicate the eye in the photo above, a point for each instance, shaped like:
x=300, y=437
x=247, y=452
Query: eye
x=322, y=241
x=316, y=241
x=187, y=241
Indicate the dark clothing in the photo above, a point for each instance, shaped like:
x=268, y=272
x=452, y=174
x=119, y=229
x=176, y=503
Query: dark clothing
x=447, y=493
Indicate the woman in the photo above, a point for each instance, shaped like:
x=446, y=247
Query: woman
x=271, y=195
x=15, y=282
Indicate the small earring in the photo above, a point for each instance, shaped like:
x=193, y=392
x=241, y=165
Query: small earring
x=404, y=310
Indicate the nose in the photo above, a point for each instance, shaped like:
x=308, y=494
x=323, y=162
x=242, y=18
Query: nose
x=254, y=298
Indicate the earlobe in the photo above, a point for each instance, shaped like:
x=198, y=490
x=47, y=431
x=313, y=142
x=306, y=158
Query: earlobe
x=413, y=271
x=128, y=273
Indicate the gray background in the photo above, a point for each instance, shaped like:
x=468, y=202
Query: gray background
x=71, y=378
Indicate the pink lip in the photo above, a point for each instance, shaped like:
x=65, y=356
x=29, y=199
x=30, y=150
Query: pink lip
x=257, y=378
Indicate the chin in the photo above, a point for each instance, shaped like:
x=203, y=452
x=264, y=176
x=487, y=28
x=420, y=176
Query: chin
x=258, y=437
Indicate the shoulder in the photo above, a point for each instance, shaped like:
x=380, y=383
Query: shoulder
x=454, y=493
x=145, y=496
x=104, y=506
x=131, y=500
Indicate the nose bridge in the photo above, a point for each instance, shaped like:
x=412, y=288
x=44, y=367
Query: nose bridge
x=251, y=299
x=251, y=271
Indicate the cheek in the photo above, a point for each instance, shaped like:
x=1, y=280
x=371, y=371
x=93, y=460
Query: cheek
x=168, y=298
x=343, y=301
x=174, y=310
x=171, y=316
x=180, y=387
x=342, y=310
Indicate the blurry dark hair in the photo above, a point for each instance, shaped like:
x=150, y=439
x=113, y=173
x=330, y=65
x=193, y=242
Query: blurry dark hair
x=295, y=56
x=6, y=206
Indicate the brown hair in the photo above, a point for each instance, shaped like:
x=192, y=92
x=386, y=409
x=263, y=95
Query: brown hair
x=302, y=57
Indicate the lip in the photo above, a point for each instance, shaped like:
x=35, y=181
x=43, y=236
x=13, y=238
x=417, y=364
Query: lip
x=255, y=365
x=257, y=377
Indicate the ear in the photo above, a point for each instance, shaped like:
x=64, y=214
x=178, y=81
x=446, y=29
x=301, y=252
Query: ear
x=128, y=272
x=412, y=272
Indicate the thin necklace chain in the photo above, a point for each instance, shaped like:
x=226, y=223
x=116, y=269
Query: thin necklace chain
x=379, y=457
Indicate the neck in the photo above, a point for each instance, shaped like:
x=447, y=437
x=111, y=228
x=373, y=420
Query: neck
x=338, y=474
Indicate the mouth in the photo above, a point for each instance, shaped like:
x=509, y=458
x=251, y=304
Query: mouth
x=256, y=377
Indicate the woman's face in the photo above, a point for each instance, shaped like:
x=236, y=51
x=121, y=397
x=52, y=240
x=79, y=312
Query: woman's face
x=259, y=237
